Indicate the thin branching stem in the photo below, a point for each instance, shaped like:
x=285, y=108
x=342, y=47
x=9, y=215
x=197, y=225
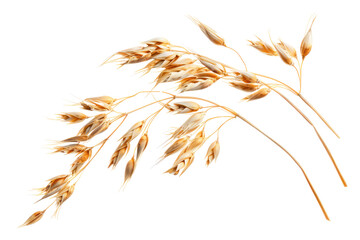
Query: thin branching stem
x=238, y=55
x=317, y=133
x=267, y=136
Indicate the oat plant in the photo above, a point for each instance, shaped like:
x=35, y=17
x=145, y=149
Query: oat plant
x=187, y=71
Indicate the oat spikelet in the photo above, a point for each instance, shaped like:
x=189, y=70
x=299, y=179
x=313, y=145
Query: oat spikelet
x=246, y=77
x=247, y=87
x=263, y=47
x=92, y=124
x=209, y=33
x=35, y=217
x=119, y=153
x=306, y=43
x=71, y=148
x=133, y=132
x=79, y=162
x=102, y=103
x=288, y=48
x=182, y=163
x=197, y=142
x=284, y=55
x=183, y=107
x=175, y=147
x=80, y=138
x=72, y=117
x=213, y=152
x=262, y=92
x=141, y=146
x=129, y=170
x=190, y=125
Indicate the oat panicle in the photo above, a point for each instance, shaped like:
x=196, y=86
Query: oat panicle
x=187, y=72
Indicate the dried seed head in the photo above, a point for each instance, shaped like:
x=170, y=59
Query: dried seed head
x=93, y=124
x=213, y=66
x=64, y=194
x=306, y=44
x=246, y=77
x=263, y=47
x=194, y=84
x=182, y=163
x=197, y=142
x=35, y=217
x=284, y=55
x=99, y=129
x=119, y=153
x=157, y=41
x=175, y=147
x=80, y=138
x=79, y=162
x=141, y=146
x=247, y=87
x=288, y=48
x=72, y=117
x=213, y=152
x=129, y=170
x=133, y=132
x=102, y=103
x=209, y=33
x=262, y=92
x=184, y=107
x=71, y=148
x=190, y=125
x=55, y=185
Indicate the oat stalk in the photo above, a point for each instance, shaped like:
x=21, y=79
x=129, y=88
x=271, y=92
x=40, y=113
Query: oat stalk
x=189, y=72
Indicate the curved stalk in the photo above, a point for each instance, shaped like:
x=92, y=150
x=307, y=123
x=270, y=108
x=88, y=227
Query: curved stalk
x=267, y=136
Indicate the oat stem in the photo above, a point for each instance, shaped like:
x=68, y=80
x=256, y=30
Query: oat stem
x=317, y=133
x=317, y=113
x=280, y=146
x=238, y=55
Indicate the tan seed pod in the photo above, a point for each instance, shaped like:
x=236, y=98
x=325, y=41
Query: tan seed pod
x=262, y=92
x=35, y=217
x=72, y=117
x=79, y=162
x=191, y=124
x=157, y=41
x=184, y=107
x=209, y=33
x=211, y=65
x=119, y=153
x=99, y=129
x=80, y=138
x=197, y=142
x=213, y=152
x=129, y=170
x=54, y=182
x=133, y=132
x=263, y=47
x=175, y=147
x=62, y=196
x=71, y=148
x=246, y=77
x=102, y=99
x=247, y=87
x=288, y=48
x=284, y=55
x=141, y=146
x=92, y=124
x=306, y=44
x=194, y=85
x=182, y=163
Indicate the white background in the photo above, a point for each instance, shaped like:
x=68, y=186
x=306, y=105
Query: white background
x=50, y=56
